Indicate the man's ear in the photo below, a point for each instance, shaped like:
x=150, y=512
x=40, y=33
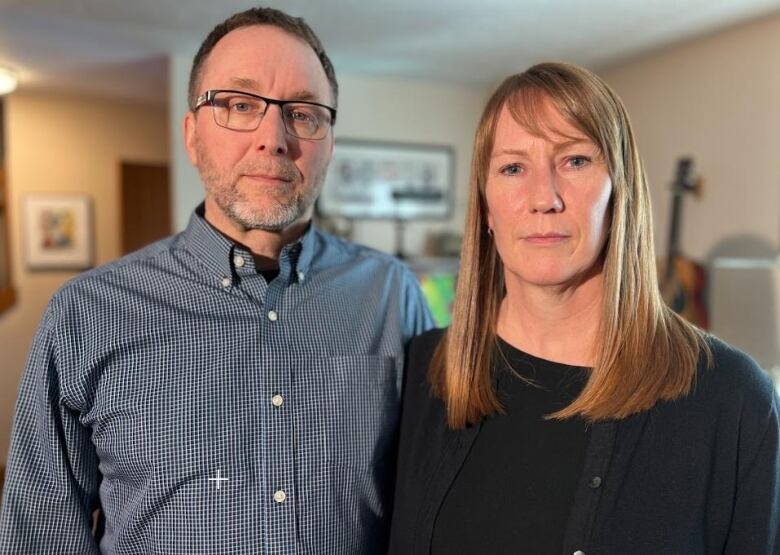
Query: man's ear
x=332, y=146
x=189, y=137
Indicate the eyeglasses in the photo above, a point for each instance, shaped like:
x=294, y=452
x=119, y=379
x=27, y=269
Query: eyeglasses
x=243, y=111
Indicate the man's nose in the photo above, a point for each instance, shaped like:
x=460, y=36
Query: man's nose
x=271, y=135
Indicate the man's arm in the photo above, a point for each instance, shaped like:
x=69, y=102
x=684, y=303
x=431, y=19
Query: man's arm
x=416, y=316
x=52, y=477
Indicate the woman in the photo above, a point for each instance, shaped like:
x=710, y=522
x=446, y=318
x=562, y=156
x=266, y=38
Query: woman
x=567, y=409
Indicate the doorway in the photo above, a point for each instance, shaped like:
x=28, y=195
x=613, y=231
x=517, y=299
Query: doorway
x=145, y=204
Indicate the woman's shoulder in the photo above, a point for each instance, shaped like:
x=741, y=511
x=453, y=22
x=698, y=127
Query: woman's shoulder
x=734, y=374
x=418, y=360
x=424, y=345
x=736, y=393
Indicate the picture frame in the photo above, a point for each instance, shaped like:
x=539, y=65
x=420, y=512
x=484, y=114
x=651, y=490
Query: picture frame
x=388, y=180
x=57, y=231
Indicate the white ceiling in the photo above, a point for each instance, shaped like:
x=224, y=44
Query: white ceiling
x=119, y=47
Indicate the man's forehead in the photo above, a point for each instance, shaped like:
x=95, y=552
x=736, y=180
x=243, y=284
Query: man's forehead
x=249, y=84
x=257, y=57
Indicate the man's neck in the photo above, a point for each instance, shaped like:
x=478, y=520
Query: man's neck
x=265, y=246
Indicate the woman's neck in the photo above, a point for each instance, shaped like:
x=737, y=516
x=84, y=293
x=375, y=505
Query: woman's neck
x=560, y=324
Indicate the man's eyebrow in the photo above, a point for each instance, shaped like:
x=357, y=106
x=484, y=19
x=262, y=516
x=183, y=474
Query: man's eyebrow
x=245, y=83
x=304, y=95
x=252, y=85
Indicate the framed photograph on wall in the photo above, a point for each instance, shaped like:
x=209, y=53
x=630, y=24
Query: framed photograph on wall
x=400, y=181
x=57, y=232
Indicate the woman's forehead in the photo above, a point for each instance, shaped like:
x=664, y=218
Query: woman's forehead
x=541, y=120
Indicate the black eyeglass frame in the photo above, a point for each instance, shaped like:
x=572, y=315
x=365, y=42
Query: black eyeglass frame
x=207, y=99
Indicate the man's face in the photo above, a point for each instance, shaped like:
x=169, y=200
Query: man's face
x=262, y=179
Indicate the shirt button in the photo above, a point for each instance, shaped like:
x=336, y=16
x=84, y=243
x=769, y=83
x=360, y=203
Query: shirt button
x=238, y=261
x=281, y=497
x=272, y=315
x=277, y=400
x=578, y=552
x=595, y=482
x=226, y=282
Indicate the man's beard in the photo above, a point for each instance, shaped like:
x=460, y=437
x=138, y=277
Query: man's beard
x=281, y=210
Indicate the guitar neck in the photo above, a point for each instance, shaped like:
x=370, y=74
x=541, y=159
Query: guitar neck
x=673, y=246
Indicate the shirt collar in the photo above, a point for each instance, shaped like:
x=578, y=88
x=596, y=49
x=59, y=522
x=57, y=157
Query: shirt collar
x=217, y=251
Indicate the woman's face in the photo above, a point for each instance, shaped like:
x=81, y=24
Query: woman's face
x=548, y=202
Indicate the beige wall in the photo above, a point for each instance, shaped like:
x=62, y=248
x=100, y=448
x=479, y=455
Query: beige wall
x=411, y=111
x=718, y=100
x=72, y=145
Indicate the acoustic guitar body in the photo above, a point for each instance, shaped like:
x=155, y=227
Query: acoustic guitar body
x=683, y=281
x=685, y=291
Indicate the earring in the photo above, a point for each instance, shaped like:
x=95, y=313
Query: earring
x=490, y=231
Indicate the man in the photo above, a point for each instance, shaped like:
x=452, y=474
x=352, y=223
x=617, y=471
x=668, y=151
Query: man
x=233, y=388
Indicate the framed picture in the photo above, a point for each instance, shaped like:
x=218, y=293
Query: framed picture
x=400, y=181
x=57, y=233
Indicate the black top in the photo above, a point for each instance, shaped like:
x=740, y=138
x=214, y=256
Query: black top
x=503, y=500
x=695, y=476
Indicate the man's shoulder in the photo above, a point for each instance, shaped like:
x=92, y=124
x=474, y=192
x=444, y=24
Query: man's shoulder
x=341, y=251
x=133, y=266
x=352, y=249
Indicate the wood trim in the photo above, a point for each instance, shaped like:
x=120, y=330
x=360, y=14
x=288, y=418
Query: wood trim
x=7, y=298
x=8, y=295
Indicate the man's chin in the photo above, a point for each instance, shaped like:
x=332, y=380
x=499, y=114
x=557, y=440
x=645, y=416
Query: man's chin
x=265, y=221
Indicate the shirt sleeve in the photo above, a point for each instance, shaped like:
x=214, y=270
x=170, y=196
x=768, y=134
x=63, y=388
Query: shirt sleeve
x=52, y=476
x=755, y=526
x=416, y=315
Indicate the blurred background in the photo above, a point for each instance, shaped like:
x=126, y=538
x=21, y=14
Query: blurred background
x=92, y=164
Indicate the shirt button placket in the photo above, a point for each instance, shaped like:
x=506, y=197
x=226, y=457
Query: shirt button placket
x=277, y=435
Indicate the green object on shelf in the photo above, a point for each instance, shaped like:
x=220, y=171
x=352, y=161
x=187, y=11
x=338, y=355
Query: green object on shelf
x=439, y=291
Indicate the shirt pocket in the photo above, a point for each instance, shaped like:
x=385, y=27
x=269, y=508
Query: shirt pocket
x=349, y=410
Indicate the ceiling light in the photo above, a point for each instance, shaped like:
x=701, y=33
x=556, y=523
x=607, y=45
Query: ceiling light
x=8, y=79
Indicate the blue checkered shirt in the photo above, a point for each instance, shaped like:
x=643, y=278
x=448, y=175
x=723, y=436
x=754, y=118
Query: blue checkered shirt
x=207, y=411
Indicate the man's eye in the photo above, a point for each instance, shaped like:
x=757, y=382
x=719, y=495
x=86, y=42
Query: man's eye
x=241, y=107
x=302, y=116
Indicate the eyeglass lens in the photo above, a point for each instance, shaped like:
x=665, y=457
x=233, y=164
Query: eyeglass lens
x=244, y=113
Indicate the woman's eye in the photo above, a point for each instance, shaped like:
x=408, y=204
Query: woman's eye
x=577, y=162
x=511, y=169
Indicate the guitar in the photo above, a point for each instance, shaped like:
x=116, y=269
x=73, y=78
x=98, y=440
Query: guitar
x=683, y=280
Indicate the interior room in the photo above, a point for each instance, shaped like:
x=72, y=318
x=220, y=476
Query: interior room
x=92, y=129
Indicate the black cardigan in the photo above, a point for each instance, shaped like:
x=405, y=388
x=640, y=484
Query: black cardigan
x=698, y=475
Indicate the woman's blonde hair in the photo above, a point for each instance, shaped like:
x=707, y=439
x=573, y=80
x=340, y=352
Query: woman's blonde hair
x=646, y=352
